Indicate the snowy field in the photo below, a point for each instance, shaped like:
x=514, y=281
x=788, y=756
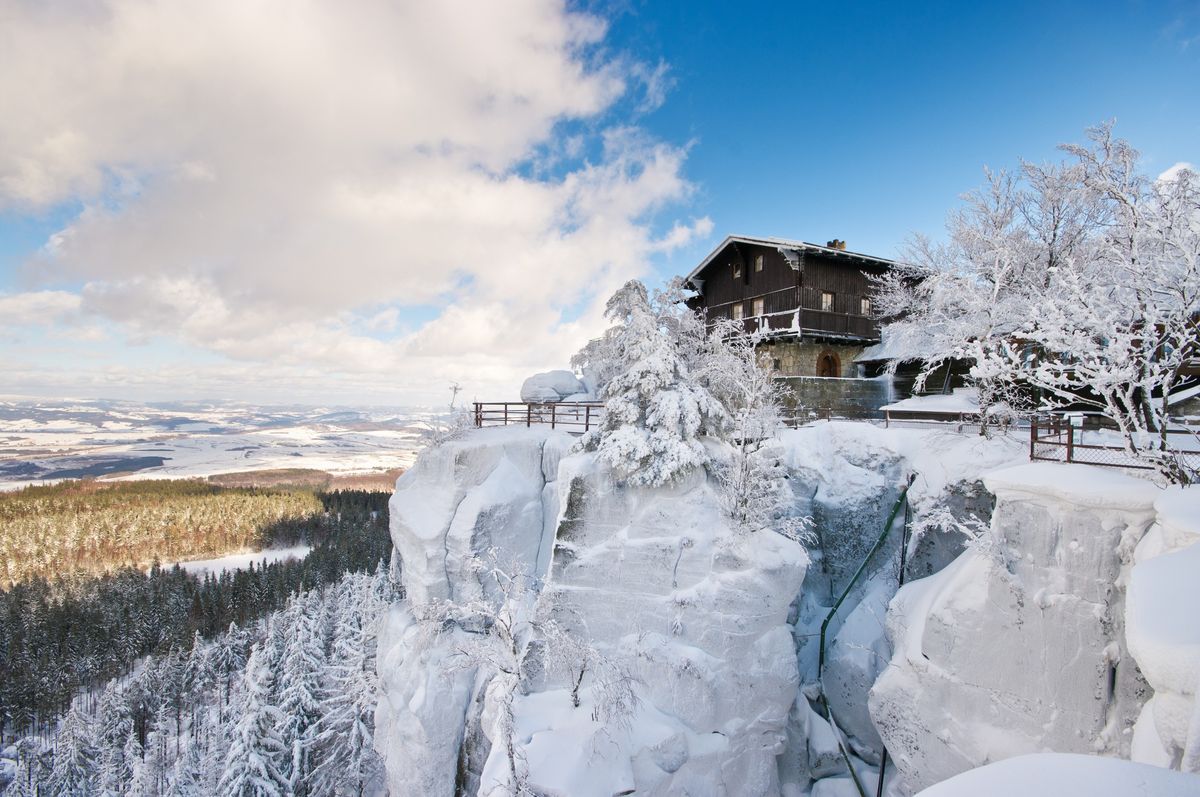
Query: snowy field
x=47, y=441
x=241, y=561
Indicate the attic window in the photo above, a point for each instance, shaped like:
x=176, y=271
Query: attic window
x=737, y=271
x=758, y=262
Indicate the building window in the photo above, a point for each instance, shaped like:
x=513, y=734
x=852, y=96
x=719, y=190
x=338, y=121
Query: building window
x=737, y=271
x=827, y=301
x=777, y=364
x=737, y=311
x=758, y=307
x=864, y=306
x=758, y=262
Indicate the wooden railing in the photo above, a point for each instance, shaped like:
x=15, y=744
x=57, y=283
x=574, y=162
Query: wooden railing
x=572, y=417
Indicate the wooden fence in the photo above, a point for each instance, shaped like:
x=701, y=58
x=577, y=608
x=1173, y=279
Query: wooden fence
x=572, y=417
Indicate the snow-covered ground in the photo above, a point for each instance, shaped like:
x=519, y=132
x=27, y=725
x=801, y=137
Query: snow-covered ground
x=241, y=561
x=46, y=441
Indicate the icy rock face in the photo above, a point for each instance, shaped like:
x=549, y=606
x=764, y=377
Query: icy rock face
x=551, y=386
x=1164, y=634
x=1018, y=646
x=964, y=503
x=460, y=498
x=651, y=577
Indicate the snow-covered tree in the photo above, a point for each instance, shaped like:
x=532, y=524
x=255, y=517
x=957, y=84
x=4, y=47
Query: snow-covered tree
x=755, y=489
x=112, y=730
x=655, y=409
x=1077, y=282
x=345, y=733
x=140, y=782
x=74, y=756
x=252, y=765
x=507, y=639
x=304, y=665
x=186, y=779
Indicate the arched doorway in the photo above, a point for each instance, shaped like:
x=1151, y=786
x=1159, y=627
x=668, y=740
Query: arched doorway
x=828, y=364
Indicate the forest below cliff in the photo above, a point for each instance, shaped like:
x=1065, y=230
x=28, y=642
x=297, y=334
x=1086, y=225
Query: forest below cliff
x=63, y=634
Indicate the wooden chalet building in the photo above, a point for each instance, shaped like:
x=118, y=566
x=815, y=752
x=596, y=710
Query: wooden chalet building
x=813, y=301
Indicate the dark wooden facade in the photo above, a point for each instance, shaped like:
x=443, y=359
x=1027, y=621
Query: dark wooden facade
x=793, y=288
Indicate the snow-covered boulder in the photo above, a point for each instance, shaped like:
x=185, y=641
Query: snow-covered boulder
x=653, y=578
x=1018, y=646
x=1164, y=634
x=551, y=386
x=1066, y=775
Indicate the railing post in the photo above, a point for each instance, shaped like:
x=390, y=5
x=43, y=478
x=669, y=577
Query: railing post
x=506, y=413
x=528, y=414
x=1032, y=437
x=587, y=417
x=553, y=407
x=478, y=416
x=1070, y=442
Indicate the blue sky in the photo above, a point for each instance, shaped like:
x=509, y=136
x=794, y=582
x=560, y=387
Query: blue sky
x=362, y=205
x=865, y=121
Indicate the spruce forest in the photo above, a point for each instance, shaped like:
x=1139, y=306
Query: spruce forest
x=117, y=678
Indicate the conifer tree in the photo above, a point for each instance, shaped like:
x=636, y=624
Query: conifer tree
x=252, y=765
x=112, y=730
x=74, y=769
x=345, y=741
x=655, y=410
x=304, y=665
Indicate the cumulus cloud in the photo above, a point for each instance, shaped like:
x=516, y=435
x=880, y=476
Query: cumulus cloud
x=1174, y=171
x=260, y=178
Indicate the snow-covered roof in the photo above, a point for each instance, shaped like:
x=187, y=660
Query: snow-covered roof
x=788, y=244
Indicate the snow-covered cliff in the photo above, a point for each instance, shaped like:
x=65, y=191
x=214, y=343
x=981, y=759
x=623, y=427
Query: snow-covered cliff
x=1019, y=646
x=653, y=578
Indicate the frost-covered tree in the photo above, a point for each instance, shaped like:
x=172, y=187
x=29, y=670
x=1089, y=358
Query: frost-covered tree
x=186, y=778
x=74, y=769
x=113, y=727
x=304, y=665
x=252, y=765
x=140, y=783
x=506, y=639
x=1078, y=283
x=755, y=489
x=345, y=733
x=655, y=410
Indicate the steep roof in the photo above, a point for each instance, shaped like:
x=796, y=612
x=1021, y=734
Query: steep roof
x=790, y=245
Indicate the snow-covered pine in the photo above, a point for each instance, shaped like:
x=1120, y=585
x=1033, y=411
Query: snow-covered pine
x=252, y=765
x=345, y=733
x=655, y=410
x=186, y=778
x=139, y=783
x=227, y=660
x=113, y=727
x=1080, y=281
x=304, y=665
x=74, y=756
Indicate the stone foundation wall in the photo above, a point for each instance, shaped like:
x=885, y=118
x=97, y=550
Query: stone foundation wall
x=849, y=398
x=801, y=358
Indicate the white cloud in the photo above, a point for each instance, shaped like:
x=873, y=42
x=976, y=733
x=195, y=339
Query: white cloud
x=258, y=175
x=1173, y=172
